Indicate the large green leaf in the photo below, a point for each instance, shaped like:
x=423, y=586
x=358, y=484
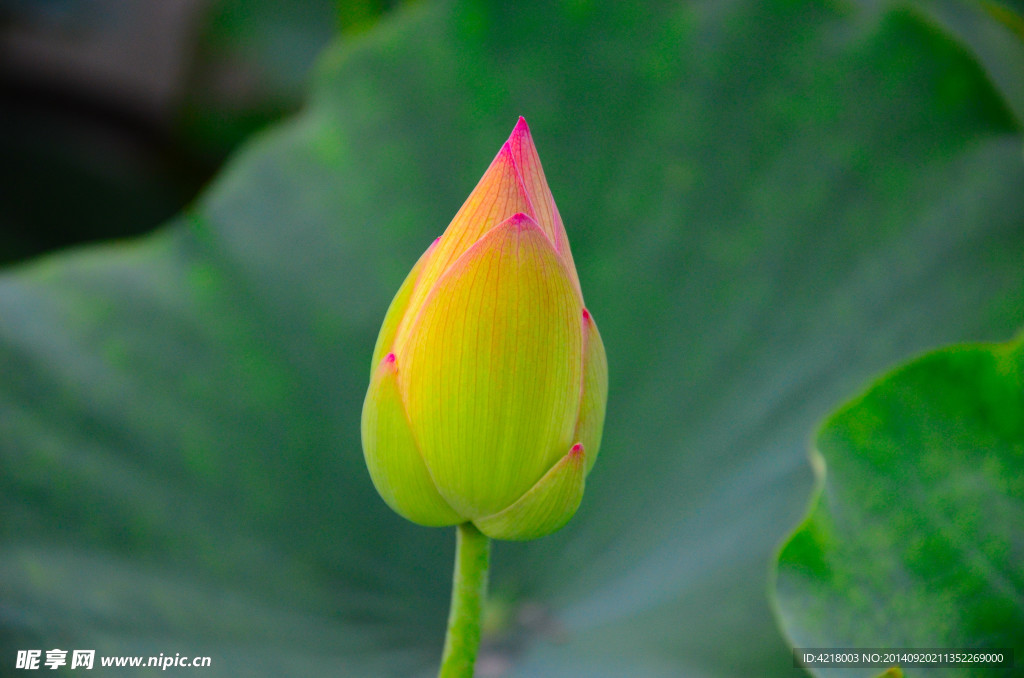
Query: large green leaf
x=768, y=202
x=915, y=539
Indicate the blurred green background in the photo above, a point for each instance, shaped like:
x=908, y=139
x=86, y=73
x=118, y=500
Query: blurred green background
x=116, y=112
x=769, y=203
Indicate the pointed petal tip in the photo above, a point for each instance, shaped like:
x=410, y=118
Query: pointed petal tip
x=576, y=451
x=586, y=314
x=520, y=135
x=386, y=365
x=504, y=161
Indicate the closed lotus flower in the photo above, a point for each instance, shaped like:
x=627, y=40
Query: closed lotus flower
x=489, y=378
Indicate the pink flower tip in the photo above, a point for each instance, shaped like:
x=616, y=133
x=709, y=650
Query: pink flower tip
x=520, y=134
x=576, y=450
x=521, y=221
x=586, y=314
x=389, y=358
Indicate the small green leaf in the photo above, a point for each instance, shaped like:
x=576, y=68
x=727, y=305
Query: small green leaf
x=916, y=537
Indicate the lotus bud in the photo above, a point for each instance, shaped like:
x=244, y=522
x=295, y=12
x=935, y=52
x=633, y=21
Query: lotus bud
x=489, y=379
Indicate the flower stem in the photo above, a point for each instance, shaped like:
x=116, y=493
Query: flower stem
x=469, y=584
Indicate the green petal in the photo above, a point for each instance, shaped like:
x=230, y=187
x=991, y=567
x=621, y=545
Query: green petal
x=395, y=465
x=590, y=424
x=493, y=369
x=396, y=311
x=547, y=506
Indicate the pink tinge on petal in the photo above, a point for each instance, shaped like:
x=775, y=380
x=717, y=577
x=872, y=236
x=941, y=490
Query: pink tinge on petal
x=531, y=173
x=527, y=163
x=520, y=221
x=576, y=450
x=389, y=358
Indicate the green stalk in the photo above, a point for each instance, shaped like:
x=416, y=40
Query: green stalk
x=469, y=585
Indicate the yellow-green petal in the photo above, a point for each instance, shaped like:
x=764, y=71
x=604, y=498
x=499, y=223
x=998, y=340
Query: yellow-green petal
x=493, y=369
x=396, y=311
x=395, y=465
x=546, y=507
x=590, y=424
